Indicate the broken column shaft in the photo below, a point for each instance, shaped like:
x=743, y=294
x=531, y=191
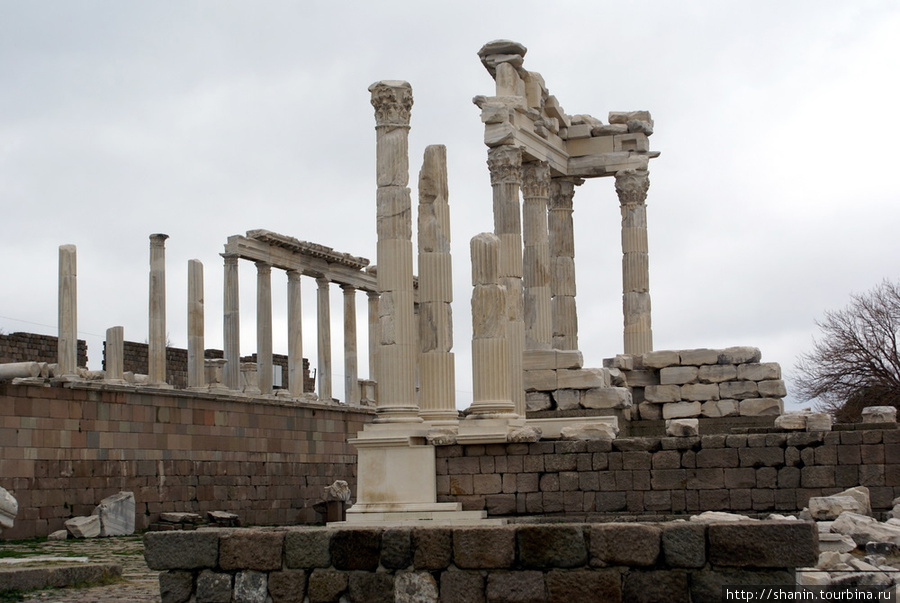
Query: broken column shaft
x=67, y=342
x=156, y=354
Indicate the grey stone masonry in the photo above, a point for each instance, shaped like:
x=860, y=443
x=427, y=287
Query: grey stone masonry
x=726, y=382
x=544, y=562
x=757, y=473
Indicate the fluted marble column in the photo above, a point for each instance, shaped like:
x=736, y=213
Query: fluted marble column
x=397, y=350
x=562, y=263
x=156, y=355
x=196, y=364
x=351, y=366
x=505, y=164
x=264, y=326
x=437, y=380
x=491, y=379
x=374, y=334
x=323, y=307
x=631, y=186
x=115, y=354
x=536, y=256
x=295, y=335
x=232, y=323
x=67, y=341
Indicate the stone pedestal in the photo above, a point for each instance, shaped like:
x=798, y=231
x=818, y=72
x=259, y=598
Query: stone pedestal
x=67, y=351
x=232, y=323
x=156, y=353
x=196, y=373
x=264, y=325
x=631, y=186
x=295, y=335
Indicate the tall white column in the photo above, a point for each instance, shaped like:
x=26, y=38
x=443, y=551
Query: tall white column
x=115, y=354
x=562, y=263
x=536, y=257
x=156, y=354
x=323, y=373
x=632, y=186
x=295, y=335
x=196, y=364
x=232, y=324
x=491, y=380
x=264, y=326
x=67, y=341
x=397, y=351
x=437, y=381
x=351, y=367
x=505, y=163
x=374, y=334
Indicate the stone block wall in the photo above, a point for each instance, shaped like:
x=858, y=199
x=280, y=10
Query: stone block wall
x=675, y=562
x=674, y=384
x=756, y=473
x=63, y=449
x=30, y=347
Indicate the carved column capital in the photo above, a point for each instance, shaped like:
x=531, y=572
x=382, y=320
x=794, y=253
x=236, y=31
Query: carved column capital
x=505, y=165
x=263, y=268
x=231, y=259
x=294, y=275
x=392, y=101
x=632, y=186
x=536, y=179
x=158, y=240
x=562, y=191
x=322, y=282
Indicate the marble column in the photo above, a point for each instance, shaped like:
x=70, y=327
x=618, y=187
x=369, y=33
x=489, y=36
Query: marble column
x=264, y=326
x=505, y=164
x=397, y=349
x=232, y=324
x=562, y=263
x=115, y=354
x=351, y=365
x=536, y=256
x=374, y=334
x=631, y=186
x=295, y=335
x=323, y=372
x=491, y=379
x=156, y=355
x=196, y=364
x=67, y=341
x=437, y=371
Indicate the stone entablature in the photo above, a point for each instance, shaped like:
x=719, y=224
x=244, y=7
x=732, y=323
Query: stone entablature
x=671, y=476
x=561, y=562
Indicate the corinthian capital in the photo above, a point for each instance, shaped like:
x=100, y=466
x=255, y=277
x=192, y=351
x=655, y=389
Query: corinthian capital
x=562, y=191
x=536, y=179
x=392, y=101
x=505, y=164
x=631, y=186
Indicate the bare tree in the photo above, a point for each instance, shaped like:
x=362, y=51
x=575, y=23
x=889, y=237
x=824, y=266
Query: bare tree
x=855, y=363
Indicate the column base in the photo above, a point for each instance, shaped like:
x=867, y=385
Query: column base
x=478, y=430
x=411, y=515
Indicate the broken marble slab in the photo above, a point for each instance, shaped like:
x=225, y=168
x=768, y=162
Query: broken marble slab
x=116, y=514
x=84, y=527
x=9, y=508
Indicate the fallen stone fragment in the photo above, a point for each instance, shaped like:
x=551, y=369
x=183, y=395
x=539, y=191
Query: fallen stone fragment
x=338, y=491
x=837, y=543
x=9, y=508
x=58, y=535
x=84, y=527
x=224, y=519
x=712, y=516
x=191, y=518
x=830, y=507
x=682, y=428
x=818, y=421
x=588, y=431
x=116, y=514
x=863, y=529
x=879, y=414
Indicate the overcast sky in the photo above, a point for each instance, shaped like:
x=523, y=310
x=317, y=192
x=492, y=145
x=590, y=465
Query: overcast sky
x=774, y=198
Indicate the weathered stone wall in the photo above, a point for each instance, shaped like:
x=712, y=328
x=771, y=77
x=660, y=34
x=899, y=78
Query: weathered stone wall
x=30, y=347
x=63, y=449
x=675, y=562
x=757, y=473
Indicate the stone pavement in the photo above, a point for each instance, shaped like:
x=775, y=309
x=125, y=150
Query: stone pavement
x=139, y=585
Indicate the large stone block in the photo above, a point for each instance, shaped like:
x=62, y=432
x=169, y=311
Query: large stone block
x=540, y=380
x=668, y=586
x=251, y=587
x=759, y=371
x=738, y=390
x=759, y=407
x=308, y=548
x=739, y=355
x=516, y=587
x=251, y=550
x=551, y=546
x=571, y=586
x=607, y=397
x=409, y=587
x=700, y=392
x=662, y=393
x=582, y=378
x=116, y=514
x=678, y=375
x=462, y=587
x=356, y=549
x=375, y=587
x=535, y=401
x=9, y=507
x=84, y=527
x=287, y=586
x=773, y=388
x=660, y=359
x=326, y=586
x=175, y=586
x=396, y=548
x=484, y=548
x=181, y=550
x=684, y=544
x=879, y=414
x=213, y=587
x=624, y=544
x=764, y=544
x=680, y=410
x=699, y=356
x=567, y=399
x=717, y=373
x=720, y=408
x=682, y=428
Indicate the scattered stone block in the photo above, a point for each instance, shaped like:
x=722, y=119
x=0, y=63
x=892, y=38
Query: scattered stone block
x=879, y=414
x=720, y=408
x=716, y=516
x=830, y=507
x=759, y=371
x=567, y=399
x=682, y=428
x=224, y=519
x=116, y=514
x=84, y=527
x=678, y=375
x=840, y=543
x=588, y=432
x=864, y=529
x=699, y=356
x=9, y=508
x=818, y=421
x=791, y=421
x=759, y=407
x=535, y=401
x=184, y=518
x=739, y=355
x=607, y=397
x=660, y=359
x=680, y=410
x=58, y=535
